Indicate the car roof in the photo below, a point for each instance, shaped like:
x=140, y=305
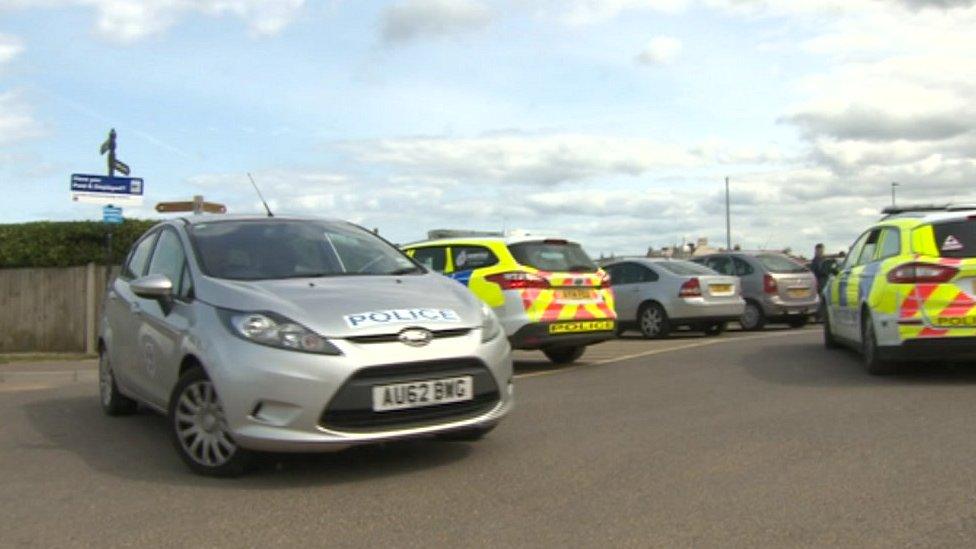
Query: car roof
x=215, y=218
x=483, y=240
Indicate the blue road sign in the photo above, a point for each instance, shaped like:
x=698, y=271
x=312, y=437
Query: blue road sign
x=102, y=189
x=112, y=214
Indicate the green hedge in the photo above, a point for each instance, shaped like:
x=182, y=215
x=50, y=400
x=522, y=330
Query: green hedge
x=66, y=244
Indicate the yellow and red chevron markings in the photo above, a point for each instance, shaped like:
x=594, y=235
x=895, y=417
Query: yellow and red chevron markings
x=543, y=305
x=951, y=310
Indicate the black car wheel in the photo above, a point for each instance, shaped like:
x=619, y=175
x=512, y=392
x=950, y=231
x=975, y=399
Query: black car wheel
x=653, y=321
x=564, y=355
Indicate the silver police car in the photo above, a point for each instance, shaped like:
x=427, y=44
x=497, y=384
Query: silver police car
x=295, y=334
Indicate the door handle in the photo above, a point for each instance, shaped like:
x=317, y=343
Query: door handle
x=136, y=309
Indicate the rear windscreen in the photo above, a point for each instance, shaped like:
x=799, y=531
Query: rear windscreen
x=554, y=256
x=956, y=238
x=776, y=263
x=684, y=268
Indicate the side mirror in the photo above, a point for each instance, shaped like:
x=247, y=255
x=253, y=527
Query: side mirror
x=155, y=286
x=834, y=268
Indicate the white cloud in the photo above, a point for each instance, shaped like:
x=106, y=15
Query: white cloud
x=661, y=50
x=16, y=122
x=589, y=12
x=132, y=20
x=409, y=20
x=10, y=47
x=524, y=159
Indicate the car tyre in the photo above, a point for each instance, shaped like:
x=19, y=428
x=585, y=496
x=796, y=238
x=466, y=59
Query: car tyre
x=715, y=329
x=653, y=321
x=113, y=402
x=564, y=355
x=798, y=322
x=199, y=429
x=830, y=341
x=870, y=356
x=753, y=318
x=471, y=434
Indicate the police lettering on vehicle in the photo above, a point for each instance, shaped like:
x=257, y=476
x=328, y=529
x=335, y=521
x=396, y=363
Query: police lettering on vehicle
x=400, y=316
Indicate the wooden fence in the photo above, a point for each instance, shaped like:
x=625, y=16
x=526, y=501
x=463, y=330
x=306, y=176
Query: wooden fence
x=51, y=310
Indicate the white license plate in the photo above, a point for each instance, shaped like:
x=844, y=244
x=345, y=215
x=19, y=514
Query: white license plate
x=418, y=394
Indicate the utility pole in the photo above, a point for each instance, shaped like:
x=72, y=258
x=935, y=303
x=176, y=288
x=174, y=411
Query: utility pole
x=893, y=185
x=728, y=218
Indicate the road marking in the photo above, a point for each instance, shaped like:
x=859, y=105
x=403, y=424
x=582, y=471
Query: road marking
x=660, y=351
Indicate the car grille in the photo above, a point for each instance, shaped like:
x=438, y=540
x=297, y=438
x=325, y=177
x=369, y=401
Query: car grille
x=391, y=338
x=351, y=409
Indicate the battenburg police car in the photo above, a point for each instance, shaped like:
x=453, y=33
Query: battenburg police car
x=292, y=334
x=547, y=292
x=907, y=289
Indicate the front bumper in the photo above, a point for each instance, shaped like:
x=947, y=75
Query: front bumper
x=277, y=400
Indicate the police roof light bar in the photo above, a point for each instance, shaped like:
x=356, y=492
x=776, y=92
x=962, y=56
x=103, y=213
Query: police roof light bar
x=919, y=208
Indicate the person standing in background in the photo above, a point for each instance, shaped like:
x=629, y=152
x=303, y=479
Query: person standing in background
x=819, y=271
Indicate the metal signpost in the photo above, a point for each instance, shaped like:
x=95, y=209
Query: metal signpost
x=109, y=190
x=111, y=216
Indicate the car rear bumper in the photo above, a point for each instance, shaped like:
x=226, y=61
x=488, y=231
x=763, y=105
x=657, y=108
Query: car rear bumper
x=928, y=349
x=699, y=310
x=540, y=334
x=776, y=308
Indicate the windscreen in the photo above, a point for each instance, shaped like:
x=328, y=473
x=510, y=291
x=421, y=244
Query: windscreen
x=956, y=238
x=276, y=249
x=684, y=268
x=553, y=256
x=776, y=263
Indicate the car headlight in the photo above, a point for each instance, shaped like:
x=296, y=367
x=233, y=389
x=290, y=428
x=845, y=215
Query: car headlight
x=277, y=331
x=490, y=326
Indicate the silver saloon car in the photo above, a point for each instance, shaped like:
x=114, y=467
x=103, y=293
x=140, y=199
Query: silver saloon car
x=657, y=295
x=295, y=334
x=776, y=288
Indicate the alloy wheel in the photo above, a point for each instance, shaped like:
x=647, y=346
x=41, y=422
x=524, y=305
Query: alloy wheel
x=201, y=426
x=105, y=380
x=651, y=321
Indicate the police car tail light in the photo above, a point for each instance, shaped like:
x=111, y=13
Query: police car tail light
x=769, y=284
x=916, y=273
x=518, y=280
x=691, y=288
x=605, y=280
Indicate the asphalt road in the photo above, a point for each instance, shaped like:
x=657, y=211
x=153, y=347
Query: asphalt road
x=745, y=440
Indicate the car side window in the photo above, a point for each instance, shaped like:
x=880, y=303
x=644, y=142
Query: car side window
x=467, y=258
x=869, y=248
x=185, y=290
x=434, y=258
x=647, y=274
x=721, y=264
x=742, y=268
x=624, y=273
x=168, y=258
x=855, y=252
x=890, y=243
x=138, y=257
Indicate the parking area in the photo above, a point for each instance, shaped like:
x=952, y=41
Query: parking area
x=750, y=439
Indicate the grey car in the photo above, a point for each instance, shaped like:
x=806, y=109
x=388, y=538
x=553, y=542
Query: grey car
x=775, y=287
x=658, y=295
x=295, y=334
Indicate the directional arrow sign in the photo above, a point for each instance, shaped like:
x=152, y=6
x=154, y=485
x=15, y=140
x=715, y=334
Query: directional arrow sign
x=121, y=167
x=187, y=206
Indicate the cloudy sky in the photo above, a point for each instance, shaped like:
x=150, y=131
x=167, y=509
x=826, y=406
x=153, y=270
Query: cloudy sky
x=611, y=121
